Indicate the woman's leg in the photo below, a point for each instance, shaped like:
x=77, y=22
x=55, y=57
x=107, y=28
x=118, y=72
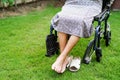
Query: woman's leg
x=63, y=38
x=58, y=64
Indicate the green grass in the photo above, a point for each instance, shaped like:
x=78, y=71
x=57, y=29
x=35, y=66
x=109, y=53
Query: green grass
x=22, y=50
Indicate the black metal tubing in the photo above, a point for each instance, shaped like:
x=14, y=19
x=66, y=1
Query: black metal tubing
x=103, y=16
x=97, y=37
x=105, y=29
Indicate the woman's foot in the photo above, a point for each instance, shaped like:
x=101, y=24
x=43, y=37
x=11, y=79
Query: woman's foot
x=57, y=65
x=66, y=63
x=60, y=64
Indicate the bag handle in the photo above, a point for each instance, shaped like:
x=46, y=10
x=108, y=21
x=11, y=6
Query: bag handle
x=51, y=30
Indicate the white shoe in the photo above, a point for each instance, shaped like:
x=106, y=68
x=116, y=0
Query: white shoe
x=75, y=64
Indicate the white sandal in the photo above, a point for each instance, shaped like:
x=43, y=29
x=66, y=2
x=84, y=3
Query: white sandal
x=75, y=64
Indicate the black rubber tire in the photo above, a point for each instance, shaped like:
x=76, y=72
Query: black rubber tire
x=98, y=54
x=108, y=38
x=88, y=52
x=107, y=35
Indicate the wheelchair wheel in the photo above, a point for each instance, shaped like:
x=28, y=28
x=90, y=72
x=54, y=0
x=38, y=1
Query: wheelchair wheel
x=108, y=36
x=88, y=53
x=98, y=54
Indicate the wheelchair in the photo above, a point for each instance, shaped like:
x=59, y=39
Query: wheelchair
x=52, y=46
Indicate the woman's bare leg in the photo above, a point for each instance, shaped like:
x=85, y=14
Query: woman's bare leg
x=58, y=64
x=63, y=38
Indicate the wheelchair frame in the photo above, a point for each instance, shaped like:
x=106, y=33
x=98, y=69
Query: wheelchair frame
x=94, y=45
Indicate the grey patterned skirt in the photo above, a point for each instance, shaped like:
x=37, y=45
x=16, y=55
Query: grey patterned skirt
x=76, y=18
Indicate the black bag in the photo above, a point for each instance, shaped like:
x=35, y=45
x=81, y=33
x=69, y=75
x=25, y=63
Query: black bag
x=52, y=45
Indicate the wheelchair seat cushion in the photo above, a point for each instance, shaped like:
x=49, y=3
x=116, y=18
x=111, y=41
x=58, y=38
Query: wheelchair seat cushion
x=76, y=17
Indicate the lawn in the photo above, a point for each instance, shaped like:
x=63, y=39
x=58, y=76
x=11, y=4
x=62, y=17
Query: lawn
x=22, y=50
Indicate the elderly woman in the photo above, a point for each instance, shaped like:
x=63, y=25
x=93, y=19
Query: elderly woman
x=75, y=19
